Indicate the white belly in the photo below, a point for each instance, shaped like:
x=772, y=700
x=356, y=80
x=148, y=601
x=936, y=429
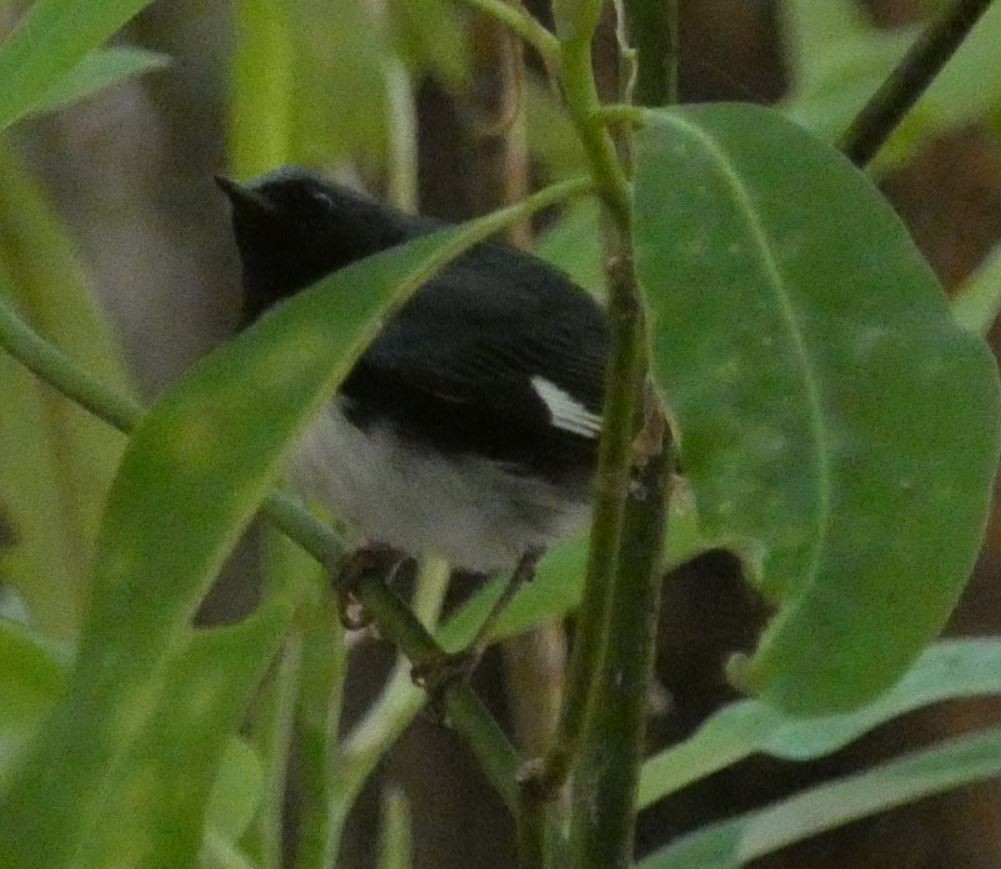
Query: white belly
x=470, y=511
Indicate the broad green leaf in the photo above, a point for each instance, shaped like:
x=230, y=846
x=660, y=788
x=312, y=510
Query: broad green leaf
x=831, y=413
x=732, y=844
x=50, y=40
x=97, y=71
x=978, y=301
x=948, y=670
x=56, y=461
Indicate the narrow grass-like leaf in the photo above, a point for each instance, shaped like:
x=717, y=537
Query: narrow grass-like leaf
x=99, y=70
x=50, y=40
x=56, y=461
x=236, y=792
x=734, y=843
x=831, y=413
x=194, y=472
x=395, y=840
x=947, y=670
x=157, y=806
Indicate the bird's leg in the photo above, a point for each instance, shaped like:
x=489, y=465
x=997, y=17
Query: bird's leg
x=369, y=558
x=435, y=674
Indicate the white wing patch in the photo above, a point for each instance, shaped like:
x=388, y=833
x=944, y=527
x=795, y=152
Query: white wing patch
x=565, y=411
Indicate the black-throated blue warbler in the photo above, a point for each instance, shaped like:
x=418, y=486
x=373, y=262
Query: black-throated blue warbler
x=469, y=427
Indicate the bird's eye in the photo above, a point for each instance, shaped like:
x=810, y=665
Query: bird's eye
x=322, y=199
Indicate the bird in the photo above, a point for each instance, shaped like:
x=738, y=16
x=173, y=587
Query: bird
x=469, y=427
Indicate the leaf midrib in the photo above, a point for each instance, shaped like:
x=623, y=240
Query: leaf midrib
x=787, y=310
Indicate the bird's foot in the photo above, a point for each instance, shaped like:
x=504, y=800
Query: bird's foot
x=376, y=559
x=437, y=674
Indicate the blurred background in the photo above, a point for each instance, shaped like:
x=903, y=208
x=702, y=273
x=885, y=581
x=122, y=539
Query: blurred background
x=431, y=107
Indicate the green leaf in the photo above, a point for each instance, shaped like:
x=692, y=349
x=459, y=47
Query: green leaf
x=97, y=71
x=340, y=95
x=50, y=40
x=734, y=843
x=32, y=673
x=831, y=413
x=572, y=245
x=236, y=792
x=194, y=472
x=183, y=775
x=978, y=301
x=56, y=461
x=948, y=670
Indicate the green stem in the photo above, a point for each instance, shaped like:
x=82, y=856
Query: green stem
x=524, y=25
x=400, y=699
x=583, y=105
x=625, y=363
x=260, y=107
x=54, y=367
x=607, y=778
x=652, y=31
x=402, y=188
x=497, y=756
x=890, y=104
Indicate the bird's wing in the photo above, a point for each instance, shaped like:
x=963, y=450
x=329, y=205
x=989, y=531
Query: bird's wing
x=513, y=371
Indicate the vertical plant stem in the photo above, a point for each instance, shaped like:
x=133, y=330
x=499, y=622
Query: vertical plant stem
x=402, y=184
x=497, y=757
x=894, y=99
x=260, y=102
x=624, y=367
x=603, y=718
x=652, y=32
x=370, y=739
x=607, y=777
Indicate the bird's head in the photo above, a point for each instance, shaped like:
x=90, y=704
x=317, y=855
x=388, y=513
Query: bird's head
x=293, y=227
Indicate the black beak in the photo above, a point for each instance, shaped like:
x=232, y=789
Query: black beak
x=245, y=200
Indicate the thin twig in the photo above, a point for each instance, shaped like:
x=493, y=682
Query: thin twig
x=524, y=25
x=890, y=104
